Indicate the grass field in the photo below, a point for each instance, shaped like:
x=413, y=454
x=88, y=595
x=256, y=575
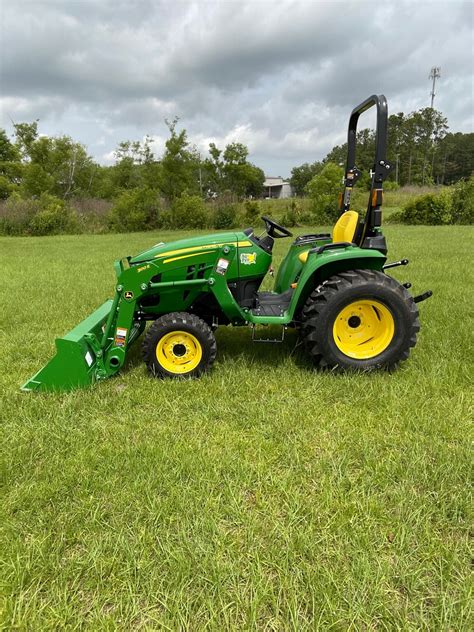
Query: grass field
x=264, y=496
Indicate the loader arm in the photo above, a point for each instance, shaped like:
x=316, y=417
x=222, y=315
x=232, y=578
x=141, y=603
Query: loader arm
x=97, y=348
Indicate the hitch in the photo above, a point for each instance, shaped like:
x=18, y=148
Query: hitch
x=395, y=264
x=423, y=297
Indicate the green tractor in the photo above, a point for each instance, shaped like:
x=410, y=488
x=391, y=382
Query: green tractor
x=349, y=313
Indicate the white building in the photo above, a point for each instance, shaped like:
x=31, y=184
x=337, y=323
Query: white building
x=276, y=188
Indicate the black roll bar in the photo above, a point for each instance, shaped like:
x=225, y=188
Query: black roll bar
x=380, y=103
x=380, y=169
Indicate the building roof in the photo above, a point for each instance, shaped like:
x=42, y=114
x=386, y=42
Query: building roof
x=271, y=181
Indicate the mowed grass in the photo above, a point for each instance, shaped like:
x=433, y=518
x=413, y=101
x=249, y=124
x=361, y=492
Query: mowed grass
x=265, y=496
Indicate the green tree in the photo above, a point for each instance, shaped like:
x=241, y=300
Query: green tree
x=430, y=127
x=230, y=170
x=455, y=158
x=8, y=151
x=10, y=166
x=365, y=149
x=180, y=164
x=25, y=135
x=323, y=189
x=56, y=165
x=36, y=180
x=300, y=176
x=414, y=148
x=135, y=166
x=213, y=170
x=395, y=143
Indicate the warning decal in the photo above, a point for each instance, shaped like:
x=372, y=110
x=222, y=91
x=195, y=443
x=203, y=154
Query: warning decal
x=222, y=266
x=120, y=336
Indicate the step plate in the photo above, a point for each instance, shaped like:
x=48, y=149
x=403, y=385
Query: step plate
x=272, y=304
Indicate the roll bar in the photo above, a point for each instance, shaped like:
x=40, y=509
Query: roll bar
x=380, y=103
x=380, y=169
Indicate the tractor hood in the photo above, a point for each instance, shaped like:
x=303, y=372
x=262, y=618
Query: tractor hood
x=194, y=243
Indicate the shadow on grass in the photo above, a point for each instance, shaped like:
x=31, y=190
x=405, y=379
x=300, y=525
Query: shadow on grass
x=235, y=343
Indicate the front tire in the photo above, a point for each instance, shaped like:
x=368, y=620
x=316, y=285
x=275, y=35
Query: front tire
x=179, y=345
x=360, y=319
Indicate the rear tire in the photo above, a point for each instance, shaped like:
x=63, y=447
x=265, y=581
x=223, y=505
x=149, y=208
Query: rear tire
x=179, y=345
x=360, y=320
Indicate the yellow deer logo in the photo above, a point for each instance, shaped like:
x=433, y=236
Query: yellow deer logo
x=247, y=258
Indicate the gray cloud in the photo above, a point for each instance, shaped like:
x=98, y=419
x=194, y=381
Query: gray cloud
x=281, y=77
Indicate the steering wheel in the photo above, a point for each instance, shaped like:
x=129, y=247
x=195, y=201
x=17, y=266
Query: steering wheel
x=275, y=230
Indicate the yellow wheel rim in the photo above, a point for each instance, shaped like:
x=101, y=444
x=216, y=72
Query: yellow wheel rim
x=363, y=329
x=179, y=352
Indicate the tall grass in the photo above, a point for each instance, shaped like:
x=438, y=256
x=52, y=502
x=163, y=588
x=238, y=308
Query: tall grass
x=91, y=215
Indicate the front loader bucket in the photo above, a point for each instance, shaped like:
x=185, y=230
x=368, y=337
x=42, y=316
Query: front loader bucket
x=75, y=363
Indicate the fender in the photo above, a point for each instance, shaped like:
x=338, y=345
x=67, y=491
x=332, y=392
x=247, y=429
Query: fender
x=319, y=267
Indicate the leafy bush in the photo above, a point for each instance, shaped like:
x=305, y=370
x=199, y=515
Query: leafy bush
x=165, y=220
x=293, y=215
x=135, y=210
x=92, y=214
x=54, y=216
x=16, y=214
x=225, y=216
x=323, y=189
x=252, y=212
x=364, y=182
x=431, y=209
x=47, y=215
x=462, y=209
x=189, y=211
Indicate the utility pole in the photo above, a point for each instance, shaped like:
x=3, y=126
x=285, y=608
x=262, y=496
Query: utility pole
x=396, y=168
x=434, y=74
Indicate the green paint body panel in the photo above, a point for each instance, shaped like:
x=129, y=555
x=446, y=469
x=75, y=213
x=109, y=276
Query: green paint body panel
x=173, y=277
x=161, y=250
x=291, y=266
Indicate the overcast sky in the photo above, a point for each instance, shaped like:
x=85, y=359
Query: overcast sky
x=279, y=76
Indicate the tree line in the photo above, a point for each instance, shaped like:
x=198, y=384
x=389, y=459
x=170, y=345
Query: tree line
x=32, y=164
x=52, y=184
x=419, y=148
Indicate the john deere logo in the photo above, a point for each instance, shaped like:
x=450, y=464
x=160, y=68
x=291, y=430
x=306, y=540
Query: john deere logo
x=128, y=295
x=247, y=258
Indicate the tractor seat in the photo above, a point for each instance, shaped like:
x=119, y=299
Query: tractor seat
x=344, y=230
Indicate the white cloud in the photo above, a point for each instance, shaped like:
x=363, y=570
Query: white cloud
x=279, y=77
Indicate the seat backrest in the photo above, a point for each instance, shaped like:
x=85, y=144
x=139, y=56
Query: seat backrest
x=345, y=227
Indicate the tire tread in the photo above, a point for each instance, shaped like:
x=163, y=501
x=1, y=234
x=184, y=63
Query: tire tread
x=313, y=314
